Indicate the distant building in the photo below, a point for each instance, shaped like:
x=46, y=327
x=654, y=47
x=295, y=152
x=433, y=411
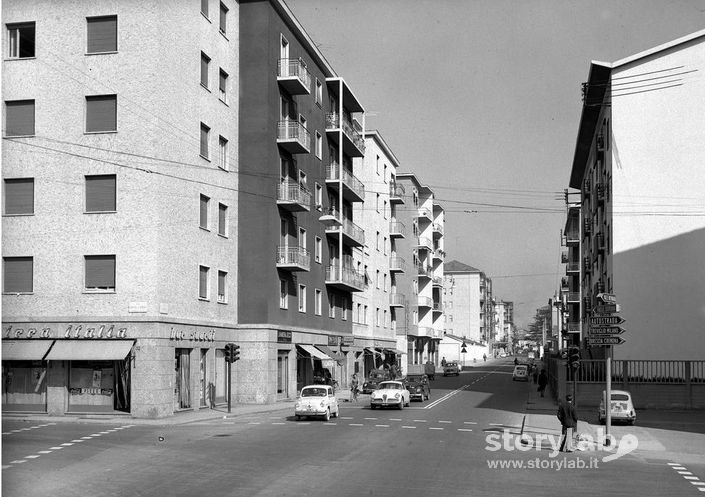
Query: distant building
x=469, y=310
x=638, y=231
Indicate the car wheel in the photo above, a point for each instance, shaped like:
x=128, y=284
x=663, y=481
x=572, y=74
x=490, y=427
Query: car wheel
x=631, y=422
x=401, y=404
x=372, y=406
x=326, y=416
x=298, y=418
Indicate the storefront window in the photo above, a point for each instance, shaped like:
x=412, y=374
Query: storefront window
x=220, y=377
x=24, y=386
x=182, y=385
x=99, y=386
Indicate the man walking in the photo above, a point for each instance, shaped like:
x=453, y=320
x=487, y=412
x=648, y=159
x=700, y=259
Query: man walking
x=569, y=422
x=543, y=381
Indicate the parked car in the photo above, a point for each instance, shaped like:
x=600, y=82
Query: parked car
x=521, y=373
x=621, y=407
x=451, y=368
x=419, y=387
x=391, y=393
x=373, y=378
x=317, y=400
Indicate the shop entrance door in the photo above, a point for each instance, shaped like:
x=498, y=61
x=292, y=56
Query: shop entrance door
x=283, y=375
x=203, y=387
x=182, y=380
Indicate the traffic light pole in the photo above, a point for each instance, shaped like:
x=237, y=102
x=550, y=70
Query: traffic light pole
x=230, y=364
x=608, y=395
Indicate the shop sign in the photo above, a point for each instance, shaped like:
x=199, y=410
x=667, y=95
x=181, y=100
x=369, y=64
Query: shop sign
x=103, y=331
x=195, y=336
x=91, y=391
x=333, y=340
x=283, y=336
x=348, y=340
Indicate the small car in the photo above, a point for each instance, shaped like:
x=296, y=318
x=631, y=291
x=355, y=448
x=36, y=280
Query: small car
x=373, y=379
x=419, y=386
x=622, y=407
x=390, y=393
x=317, y=400
x=520, y=373
x=451, y=368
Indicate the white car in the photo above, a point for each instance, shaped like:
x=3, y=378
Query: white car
x=520, y=373
x=317, y=400
x=622, y=407
x=390, y=394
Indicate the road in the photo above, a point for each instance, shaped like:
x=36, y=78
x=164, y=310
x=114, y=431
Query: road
x=437, y=447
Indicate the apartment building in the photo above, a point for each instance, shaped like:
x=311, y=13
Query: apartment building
x=425, y=220
x=571, y=302
x=380, y=308
x=639, y=226
x=503, y=326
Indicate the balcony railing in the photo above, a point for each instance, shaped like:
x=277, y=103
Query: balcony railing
x=587, y=226
x=345, y=276
x=572, y=236
x=572, y=267
x=437, y=229
x=425, y=242
x=353, y=231
x=397, y=228
x=397, y=299
x=564, y=283
x=425, y=301
x=572, y=326
x=294, y=258
x=424, y=212
x=599, y=242
x=424, y=331
x=439, y=254
x=587, y=187
x=572, y=296
x=437, y=307
x=293, y=196
x=437, y=281
x=601, y=192
x=293, y=136
x=336, y=173
x=397, y=263
x=293, y=75
x=333, y=122
x=424, y=271
x=396, y=193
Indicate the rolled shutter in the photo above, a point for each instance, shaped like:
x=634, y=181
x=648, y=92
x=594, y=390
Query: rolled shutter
x=222, y=213
x=205, y=130
x=203, y=221
x=100, y=193
x=101, y=113
x=102, y=34
x=19, y=196
x=100, y=271
x=203, y=282
x=19, y=274
x=19, y=118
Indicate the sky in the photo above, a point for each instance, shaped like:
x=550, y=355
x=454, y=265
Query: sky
x=481, y=99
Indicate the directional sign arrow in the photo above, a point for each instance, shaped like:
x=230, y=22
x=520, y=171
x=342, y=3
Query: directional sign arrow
x=605, y=340
x=605, y=320
x=605, y=330
x=607, y=297
x=605, y=309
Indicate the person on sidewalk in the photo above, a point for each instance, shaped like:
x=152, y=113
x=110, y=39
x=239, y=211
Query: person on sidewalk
x=543, y=381
x=354, y=385
x=568, y=417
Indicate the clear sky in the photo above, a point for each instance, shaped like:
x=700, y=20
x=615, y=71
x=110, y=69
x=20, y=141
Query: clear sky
x=482, y=99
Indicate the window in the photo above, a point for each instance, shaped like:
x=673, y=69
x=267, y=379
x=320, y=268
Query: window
x=283, y=295
x=222, y=279
x=318, y=249
x=204, y=204
x=385, y=322
x=384, y=246
x=203, y=276
x=102, y=34
x=377, y=202
x=101, y=193
x=223, y=18
x=205, y=62
x=377, y=165
x=331, y=305
x=302, y=298
x=100, y=272
x=205, y=132
x=344, y=309
x=364, y=315
x=204, y=8
x=384, y=209
x=19, y=118
x=223, y=86
x=384, y=287
x=101, y=113
x=21, y=40
x=302, y=239
x=319, y=197
x=377, y=241
x=19, y=196
x=319, y=92
x=18, y=275
x=222, y=153
x=223, y=220
x=384, y=177
x=377, y=279
x=319, y=145
x=377, y=316
x=318, y=304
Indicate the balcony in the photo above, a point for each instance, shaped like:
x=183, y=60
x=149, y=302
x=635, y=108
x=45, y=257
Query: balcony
x=293, y=137
x=587, y=187
x=572, y=237
x=353, y=189
x=424, y=272
x=572, y=297
x=397, y=300
x=397, y=264
x=439, y=254
x=424, y=242
x=573, y=326
x=587, y=265
x=425, y=302
x=293, y=258
x=293, y=76
x=437, y=281
x=564, y=283
x=353, y=235
x=345, y=278
x=437, y=307
x=587, y=226
x=353, y=142
x=396, y=193
x=422, y=331
x=425, y=213
x=397, y=229
x=599, y=242
x=437, y=230
x=293, y=197
x=572, y=267
x=600, y=141
x=564, y=257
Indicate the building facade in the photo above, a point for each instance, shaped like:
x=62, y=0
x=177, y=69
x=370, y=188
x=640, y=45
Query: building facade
x=639, y=229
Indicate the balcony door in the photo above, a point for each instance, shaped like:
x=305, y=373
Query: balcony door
x=288, y=170
x=284, y=234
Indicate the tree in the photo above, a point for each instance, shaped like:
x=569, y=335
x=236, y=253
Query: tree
x=539, y=325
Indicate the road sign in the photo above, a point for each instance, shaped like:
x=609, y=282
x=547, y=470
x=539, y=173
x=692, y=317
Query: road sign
x=604, y=340
x=606, y=330
x=605, y=309
x=605, y=320
x=463, y=351
x=607, y=297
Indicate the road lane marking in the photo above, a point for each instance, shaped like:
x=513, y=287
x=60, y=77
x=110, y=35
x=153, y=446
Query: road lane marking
x=253, y=423
x=382, y=426
x=410, y=427
x=355, y=424
x=435, y=428
x=445, y=422
x=445, y=397
x=464, y=429
x=420, y=420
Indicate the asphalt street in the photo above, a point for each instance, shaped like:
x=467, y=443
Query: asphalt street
x=464, y=441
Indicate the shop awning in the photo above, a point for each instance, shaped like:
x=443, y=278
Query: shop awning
x=25, y=350
x=313, y=351
x=336, y=356
x=373, y=351
x=90, y=350
x=394, y=351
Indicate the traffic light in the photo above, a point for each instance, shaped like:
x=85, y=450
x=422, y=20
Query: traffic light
x=229, y=352
x=235, y=352
x=574, y=357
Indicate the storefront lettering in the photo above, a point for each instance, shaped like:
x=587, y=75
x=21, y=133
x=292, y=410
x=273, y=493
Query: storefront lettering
x=31, y=333
x=78, y=332
x=283, y=336
x=91, y=391
x=194, y=336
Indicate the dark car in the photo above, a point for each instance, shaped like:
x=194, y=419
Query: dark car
x=374, y=378
x=451, y=368
x=419, y=386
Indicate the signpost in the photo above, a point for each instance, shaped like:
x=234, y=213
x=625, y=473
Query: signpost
x=605, y=309
x=604, y=340
x=463, y=351
x=605, y=320
x=606, y=330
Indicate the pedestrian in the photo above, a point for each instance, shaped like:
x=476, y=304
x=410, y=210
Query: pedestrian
x=516, y=361
x=484, y=357
x=443, y=361
x=535, y=373
x=568, y=417
x=354, y=385
x=543, y=381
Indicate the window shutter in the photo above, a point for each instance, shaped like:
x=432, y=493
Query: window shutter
x=223, y=82
x=204, y=69
x=100, y=271
x=19, y=196
x=102, y=34
x=221, y=282
x=19, y=118
x=18, y=274
x=222, y=214
x=100, y=193
x=203, y=221
x=204, y=140
x=101, y=113
x=203, y=282
x=223, y=18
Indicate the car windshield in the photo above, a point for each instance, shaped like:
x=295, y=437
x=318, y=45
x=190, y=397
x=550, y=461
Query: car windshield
x=414, y=379
x=520, y=369
x=620, y=396
x=313, y=392
x=390, y=386
x=376, y=376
